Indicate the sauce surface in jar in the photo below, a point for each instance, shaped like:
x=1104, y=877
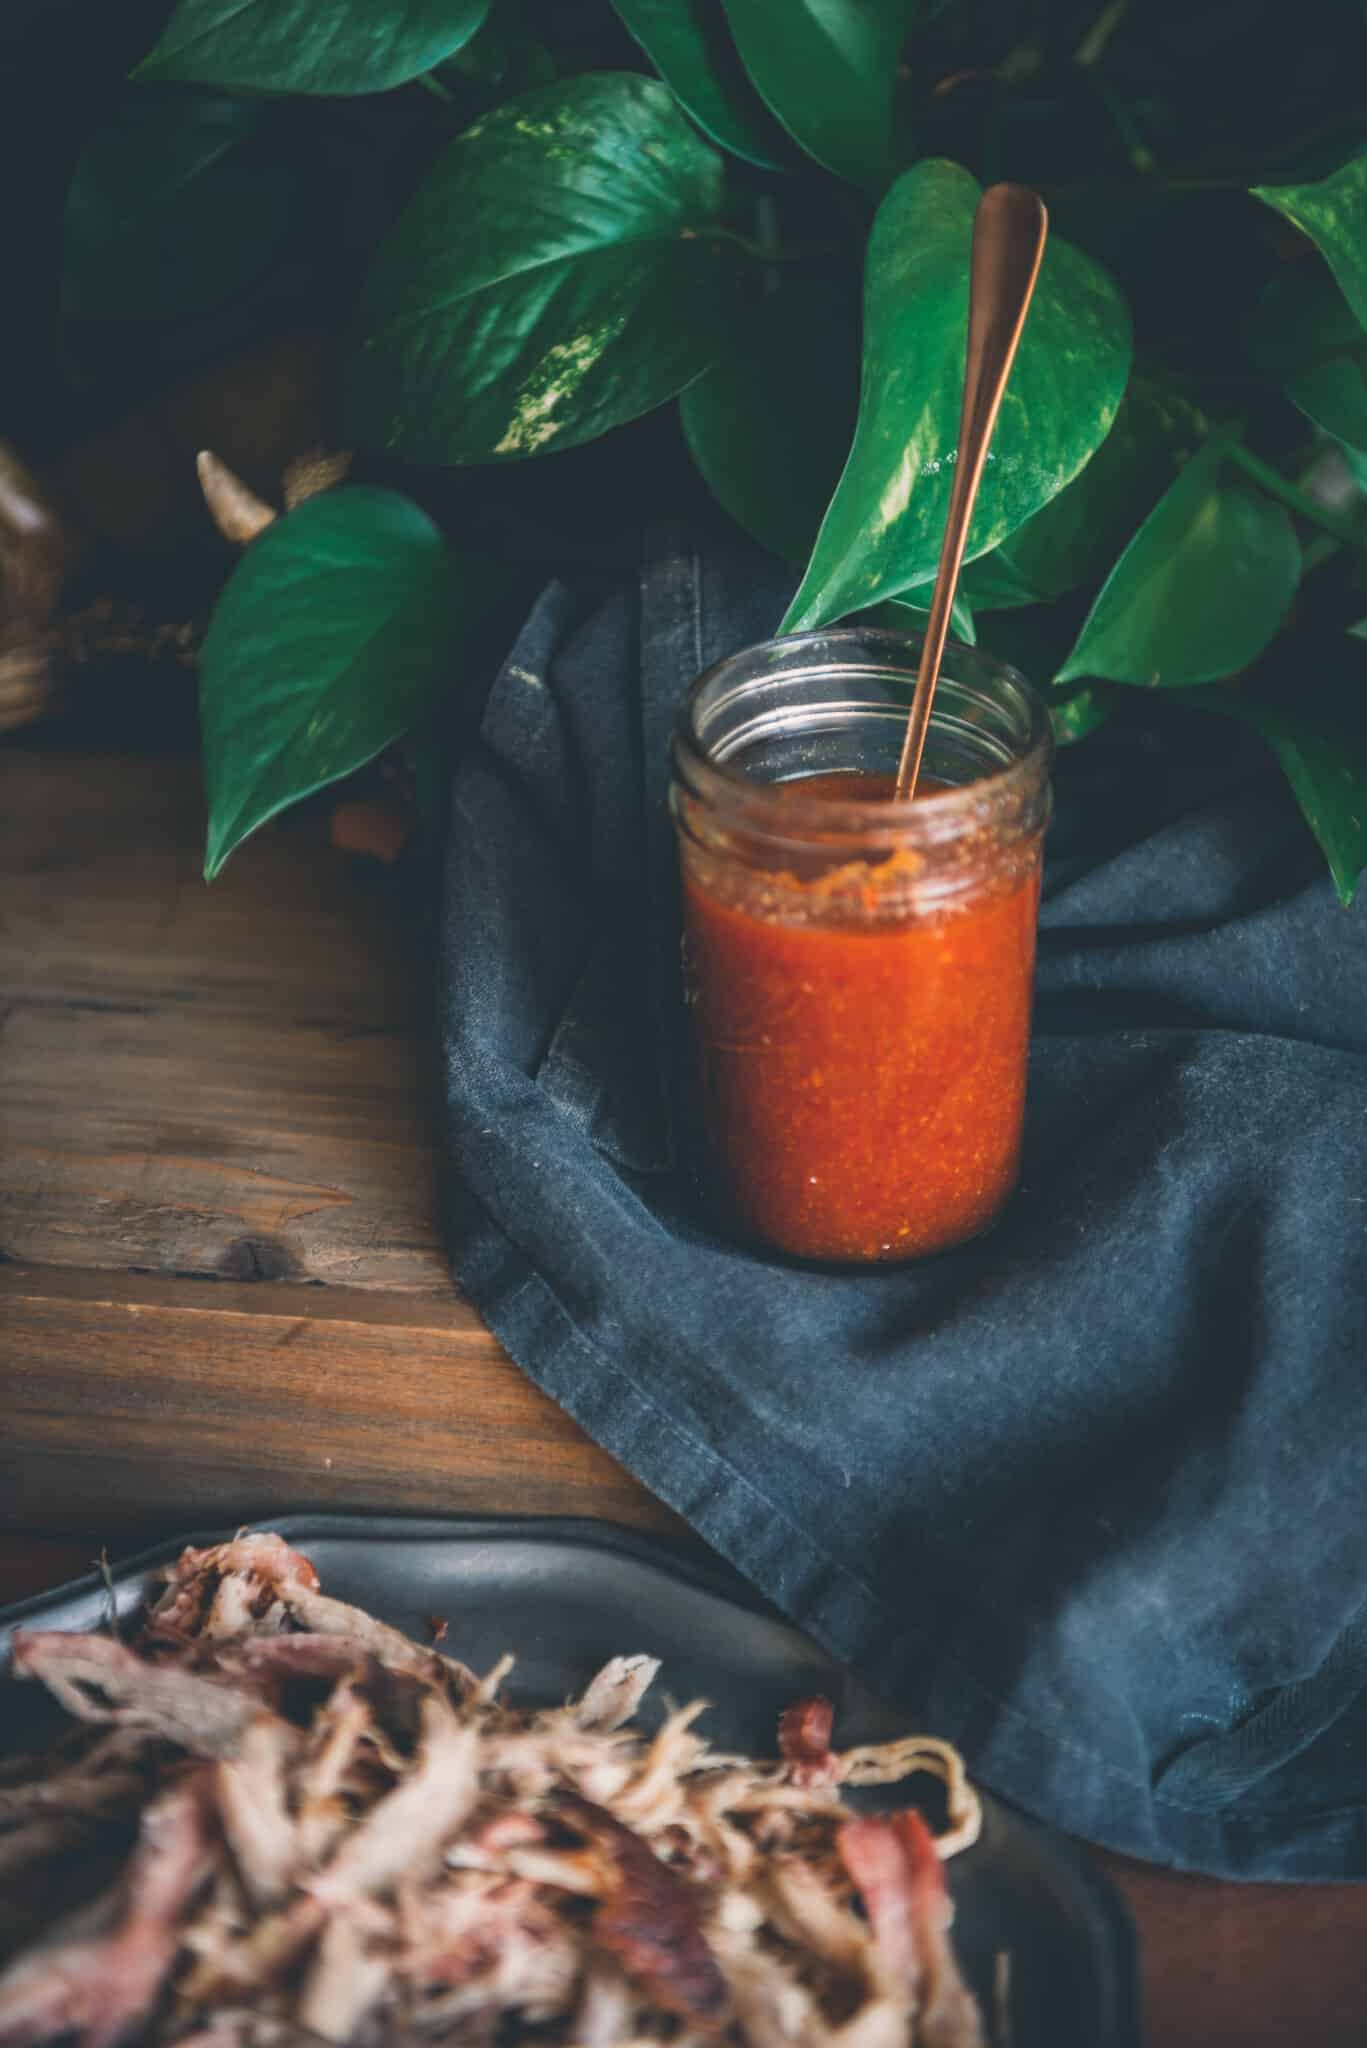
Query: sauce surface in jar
x=861, y=1045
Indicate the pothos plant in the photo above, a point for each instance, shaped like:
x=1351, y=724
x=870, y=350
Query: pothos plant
x=759, y=211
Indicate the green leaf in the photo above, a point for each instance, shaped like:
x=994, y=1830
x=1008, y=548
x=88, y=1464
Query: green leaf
x=1074, y=716
x=175, y=206
x=769, y=426
x=1355, y=462
x=555, y=275
x=1301, y=319
x=504, y=56
x=342, y=46
x=905, y=615
x=1333, y=213
x=1306, y=334
x=1321, y=742
x=331, y=637
x=1202, y=587
x=1073, y=539
x=995, y=582
x=827, y=69
x=1333, y=396
x=883, y=531
x=688, y=43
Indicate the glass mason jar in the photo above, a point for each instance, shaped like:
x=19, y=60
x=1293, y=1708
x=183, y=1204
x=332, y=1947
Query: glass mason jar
x=859, y=970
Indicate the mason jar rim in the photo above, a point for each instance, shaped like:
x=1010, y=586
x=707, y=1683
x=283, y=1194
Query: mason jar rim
x=936, y=816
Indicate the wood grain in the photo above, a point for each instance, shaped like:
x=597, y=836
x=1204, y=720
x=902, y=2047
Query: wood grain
x=222, y=1293
x=184, y=1400
x=1247, y=1965
x=224, y=1080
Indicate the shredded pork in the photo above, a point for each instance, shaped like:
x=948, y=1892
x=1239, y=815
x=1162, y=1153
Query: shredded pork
x=324, y=1832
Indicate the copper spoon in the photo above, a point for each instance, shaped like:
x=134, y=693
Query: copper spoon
x=1009, y=230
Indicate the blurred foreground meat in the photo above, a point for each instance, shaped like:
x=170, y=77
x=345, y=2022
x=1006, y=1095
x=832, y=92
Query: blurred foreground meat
x=342, y=1835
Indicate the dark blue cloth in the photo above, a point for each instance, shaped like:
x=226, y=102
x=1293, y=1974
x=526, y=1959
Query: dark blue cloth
x=1088, y=1496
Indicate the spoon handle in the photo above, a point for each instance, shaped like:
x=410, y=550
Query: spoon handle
x=1009, y=230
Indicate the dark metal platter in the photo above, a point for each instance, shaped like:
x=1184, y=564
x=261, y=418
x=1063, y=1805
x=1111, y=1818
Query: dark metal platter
x=568, y=1595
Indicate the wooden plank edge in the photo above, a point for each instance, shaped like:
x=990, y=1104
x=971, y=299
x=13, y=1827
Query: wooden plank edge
x=197, y=1294
x=158, y=1406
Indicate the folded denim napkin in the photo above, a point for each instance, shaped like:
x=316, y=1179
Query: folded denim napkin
x=1088, y=1496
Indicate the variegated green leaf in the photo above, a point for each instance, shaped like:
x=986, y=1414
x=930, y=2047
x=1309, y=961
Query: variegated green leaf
x=882, y=534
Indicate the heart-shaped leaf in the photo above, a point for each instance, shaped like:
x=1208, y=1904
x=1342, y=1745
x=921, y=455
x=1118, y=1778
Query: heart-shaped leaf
x=1074, y=538
x=1320, y=739
x=346, y=46
x=1333, y=395
x=1333, y=212
x=769, y=426
x=995, y=582
x=905, y=615
x=1200, y=590
x=1306, y=333
x=554, y=276
x=503, y=57
x=690, y=46
x=331, y=637
x=175, y=206
x=882, y=534
x=827, y=69
x=1075, y=715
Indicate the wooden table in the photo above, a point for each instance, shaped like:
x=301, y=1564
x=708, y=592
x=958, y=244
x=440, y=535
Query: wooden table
x=222, y=1293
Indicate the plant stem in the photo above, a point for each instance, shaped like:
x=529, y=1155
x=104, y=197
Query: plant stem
x=1093, y=44
x=1126, y=127
x=436, y=88
x=1296, y=500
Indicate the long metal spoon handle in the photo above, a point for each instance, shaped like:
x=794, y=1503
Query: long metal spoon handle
x=1009, y=231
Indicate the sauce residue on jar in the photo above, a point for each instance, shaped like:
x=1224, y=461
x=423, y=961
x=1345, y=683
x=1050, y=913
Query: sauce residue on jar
x=862, y=1054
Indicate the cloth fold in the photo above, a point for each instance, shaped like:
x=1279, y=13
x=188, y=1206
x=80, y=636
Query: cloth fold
x=1085, y=1496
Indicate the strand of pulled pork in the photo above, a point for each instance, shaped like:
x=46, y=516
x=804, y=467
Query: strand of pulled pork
x=100, y=1977
x=405, y=1855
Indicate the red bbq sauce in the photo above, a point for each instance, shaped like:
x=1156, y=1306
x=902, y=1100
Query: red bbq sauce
x=862, y=1042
